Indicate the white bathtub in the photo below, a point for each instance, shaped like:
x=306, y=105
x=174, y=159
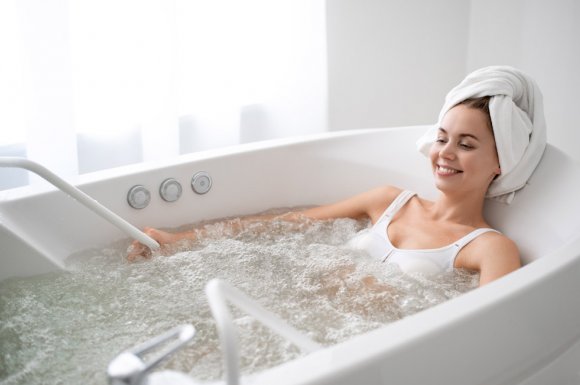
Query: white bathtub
x=521, y=329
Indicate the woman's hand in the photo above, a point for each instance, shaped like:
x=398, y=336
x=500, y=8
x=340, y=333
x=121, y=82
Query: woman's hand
x=137, y=249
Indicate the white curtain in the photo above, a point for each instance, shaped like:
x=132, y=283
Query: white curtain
x=88, y=85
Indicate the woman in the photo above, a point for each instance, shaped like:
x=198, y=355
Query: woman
x=423, y=235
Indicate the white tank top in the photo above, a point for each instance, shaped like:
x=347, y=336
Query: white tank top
x=375, y=241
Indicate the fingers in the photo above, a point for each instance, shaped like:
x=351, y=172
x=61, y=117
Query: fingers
x=136, y=250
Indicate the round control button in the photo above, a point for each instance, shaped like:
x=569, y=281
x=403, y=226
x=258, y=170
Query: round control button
x=170, y=190
x=138, y=197
x=201, y=182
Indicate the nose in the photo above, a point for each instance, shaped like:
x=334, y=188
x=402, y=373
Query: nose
x=447, y=151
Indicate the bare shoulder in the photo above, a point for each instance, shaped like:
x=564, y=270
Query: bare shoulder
x=494, y=255
x=499, y=240
x=386, y=192
x=379, y=199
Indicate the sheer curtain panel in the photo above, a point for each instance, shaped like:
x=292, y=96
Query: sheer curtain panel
x=90, y=85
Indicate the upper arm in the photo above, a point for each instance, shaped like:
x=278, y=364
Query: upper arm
x=368, y=204
x=495, y=256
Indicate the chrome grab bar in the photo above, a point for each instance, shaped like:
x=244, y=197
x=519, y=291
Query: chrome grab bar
x=128, y=368
x=81, y=197
x=218, y=292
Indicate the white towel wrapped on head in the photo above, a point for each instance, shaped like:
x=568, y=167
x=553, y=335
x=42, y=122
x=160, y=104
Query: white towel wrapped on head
x=517, y=117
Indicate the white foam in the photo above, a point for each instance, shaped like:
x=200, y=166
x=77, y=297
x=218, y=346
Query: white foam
x=66, y=327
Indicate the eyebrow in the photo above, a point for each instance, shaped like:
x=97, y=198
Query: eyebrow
x=461, y=135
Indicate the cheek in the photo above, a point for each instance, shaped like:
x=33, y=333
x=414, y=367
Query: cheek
x=482, y=163
x=492, y=157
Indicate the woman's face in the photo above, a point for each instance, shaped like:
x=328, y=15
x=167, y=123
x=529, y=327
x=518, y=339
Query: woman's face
x=464, y=157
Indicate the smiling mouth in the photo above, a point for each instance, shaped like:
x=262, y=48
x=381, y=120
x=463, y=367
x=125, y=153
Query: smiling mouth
x=442, y=170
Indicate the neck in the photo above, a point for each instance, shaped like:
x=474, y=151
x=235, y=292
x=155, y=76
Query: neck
x=459, y=208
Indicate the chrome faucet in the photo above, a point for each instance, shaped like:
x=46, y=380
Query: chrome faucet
x=129, y=368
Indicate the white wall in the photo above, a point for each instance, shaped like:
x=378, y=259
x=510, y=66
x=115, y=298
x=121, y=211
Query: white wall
x=391, y=62
x=542, y=38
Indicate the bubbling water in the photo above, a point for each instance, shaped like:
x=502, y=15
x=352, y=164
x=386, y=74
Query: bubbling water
x=66, y=327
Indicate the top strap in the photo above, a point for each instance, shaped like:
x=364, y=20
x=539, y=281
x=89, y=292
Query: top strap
x=396, y=205
x=471, y=236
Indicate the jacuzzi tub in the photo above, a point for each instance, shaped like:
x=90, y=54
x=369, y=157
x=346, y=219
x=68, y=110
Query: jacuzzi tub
x=521, y=329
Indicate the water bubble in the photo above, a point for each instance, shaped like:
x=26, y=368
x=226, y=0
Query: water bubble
x=66, y=327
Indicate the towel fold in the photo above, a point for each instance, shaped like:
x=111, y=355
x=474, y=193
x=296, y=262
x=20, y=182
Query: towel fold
x=517, y=116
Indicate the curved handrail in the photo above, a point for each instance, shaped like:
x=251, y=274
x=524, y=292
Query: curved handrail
x=218, y=292
x=81, y=197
